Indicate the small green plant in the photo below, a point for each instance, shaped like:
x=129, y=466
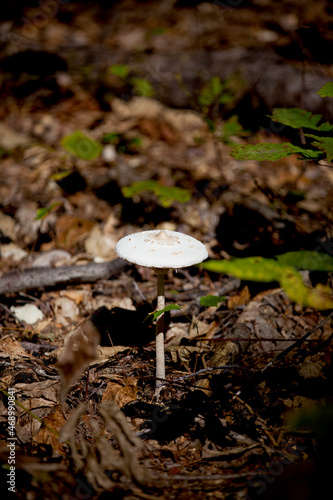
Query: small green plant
x=43, y=212
x=120, y=70
x=166, y=195
x=206, y=301
x=214, y=95
x=211, y=300
x=284, y=270
x=320, y=135
x=122, y=143
x=155, y=314
x=140, y=86
x=81, y=146
x=212, y=100
x=230, y=128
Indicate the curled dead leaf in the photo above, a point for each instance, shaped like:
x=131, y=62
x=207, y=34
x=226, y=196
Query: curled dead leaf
x=121, y=394
x=79, y=350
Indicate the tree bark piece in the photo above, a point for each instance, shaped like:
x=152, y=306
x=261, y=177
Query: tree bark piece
x=40, y=277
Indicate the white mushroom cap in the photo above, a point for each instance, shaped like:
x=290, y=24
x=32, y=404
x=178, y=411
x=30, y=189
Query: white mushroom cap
x=161, y=249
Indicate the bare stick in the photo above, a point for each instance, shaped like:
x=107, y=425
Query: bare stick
x=40, y=277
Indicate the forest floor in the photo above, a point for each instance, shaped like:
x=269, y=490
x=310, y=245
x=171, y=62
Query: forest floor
x=247, y=407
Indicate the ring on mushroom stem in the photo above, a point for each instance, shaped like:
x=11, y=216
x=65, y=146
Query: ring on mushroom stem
x=161, y=250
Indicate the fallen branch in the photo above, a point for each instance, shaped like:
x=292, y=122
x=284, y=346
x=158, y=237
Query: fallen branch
x=40, y=277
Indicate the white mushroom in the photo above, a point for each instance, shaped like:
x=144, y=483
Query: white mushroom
x=161, y=251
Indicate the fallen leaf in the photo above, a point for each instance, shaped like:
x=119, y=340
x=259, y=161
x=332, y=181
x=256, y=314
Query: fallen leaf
x=55, y=420
x=70, y=230
x=79, y=350
x=100, y=245
x=10, y=139
x=77, y=296
x=12, y=251
x=106, y=352
x=241, y=298
x=48, y=259
x=66, y=311
x=121, y=394
x=7, y=227
x=11, y=346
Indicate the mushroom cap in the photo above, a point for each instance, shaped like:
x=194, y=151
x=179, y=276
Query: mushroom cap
x=161, y=249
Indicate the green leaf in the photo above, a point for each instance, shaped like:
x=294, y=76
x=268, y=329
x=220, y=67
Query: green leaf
x=320, y=297
x=166, y=195
x=325, y=144
x=211, y=300
x=307, y=259
x=326, y=90
x=270, y=151
x=232, y=127
x=266, y=270
x=249, y=268
x=216, y=86
x=142, y=87
x=43, y=212
x=154, y=315
x=81, y=146
x=299, y=118
x=61, y=175
x=158, y=31
x=214, y=91
x=120, y=70
x=111, y=138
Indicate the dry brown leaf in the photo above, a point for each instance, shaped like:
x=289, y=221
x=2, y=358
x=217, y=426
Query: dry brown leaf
x=121, y=394
x=66, y=311
x=300, y=403
x=12, y=348
x=137, y=107
x=54, y=420
x=70, y=230
x=241, y=298
x=41, y=326
x=79, y=350
x=33, y=465
x=128, y=443
x=312, y=367
x=13, y=252
x=106, y=352
x=157, y=130
x=39, y=398
x=101, y=456
x=100, y=244
x=47, y=389
x=7, y=226
x=77, y=296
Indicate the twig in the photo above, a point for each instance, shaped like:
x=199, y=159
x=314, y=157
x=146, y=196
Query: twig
x=205, y=370
x=297, y=342
x=40, y=277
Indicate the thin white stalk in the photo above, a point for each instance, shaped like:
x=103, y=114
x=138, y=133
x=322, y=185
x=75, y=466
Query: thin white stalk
x=160, y=360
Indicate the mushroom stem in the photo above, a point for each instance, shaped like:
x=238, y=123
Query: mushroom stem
x=160, y=361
